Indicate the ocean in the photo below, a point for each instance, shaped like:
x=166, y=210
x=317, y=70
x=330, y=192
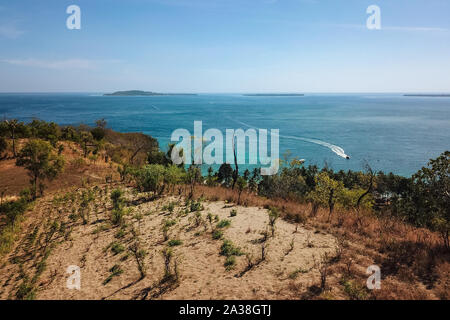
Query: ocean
x=390, y=132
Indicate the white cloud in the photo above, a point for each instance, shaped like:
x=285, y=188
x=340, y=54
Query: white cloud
x=59, y=64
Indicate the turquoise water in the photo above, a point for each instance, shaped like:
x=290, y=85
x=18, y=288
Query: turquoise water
x=388, y=131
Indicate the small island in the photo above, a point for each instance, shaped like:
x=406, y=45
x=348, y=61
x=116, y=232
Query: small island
x=274, y=94
x=428, y=95
x=139, y=93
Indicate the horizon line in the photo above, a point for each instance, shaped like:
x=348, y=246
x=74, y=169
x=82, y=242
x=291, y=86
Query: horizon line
x=237, y=92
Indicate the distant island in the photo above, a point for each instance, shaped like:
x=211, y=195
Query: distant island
x=427, y=95
x=131, y=93
x=274, y=95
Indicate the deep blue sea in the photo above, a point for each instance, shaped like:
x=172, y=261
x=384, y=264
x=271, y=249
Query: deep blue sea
x=389, y=131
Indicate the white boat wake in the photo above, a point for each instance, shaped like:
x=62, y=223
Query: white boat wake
x=336, y=149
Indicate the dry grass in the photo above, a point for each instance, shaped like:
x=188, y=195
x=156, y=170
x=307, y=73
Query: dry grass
x=413, y=260
x=413, y=263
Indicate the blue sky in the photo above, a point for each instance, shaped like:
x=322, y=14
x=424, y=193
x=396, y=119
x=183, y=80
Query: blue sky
x=225, y=46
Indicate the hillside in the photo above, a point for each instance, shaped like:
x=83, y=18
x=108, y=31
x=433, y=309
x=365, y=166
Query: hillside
x=142, y=232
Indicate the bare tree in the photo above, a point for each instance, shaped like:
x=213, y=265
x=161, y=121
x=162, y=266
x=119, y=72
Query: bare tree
x=331, y=203
x=369, y=189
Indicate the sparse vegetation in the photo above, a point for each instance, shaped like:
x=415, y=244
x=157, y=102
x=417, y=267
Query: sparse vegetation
x=223, y=224
x=174, y=242
x=273, y=216
x=115, y=272
x=39, y=159
x=117, y=248
x=400, y=224
x=217, y=234
x=230, y=262
x=229, y=249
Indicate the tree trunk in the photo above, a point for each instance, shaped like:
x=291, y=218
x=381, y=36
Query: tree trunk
x=365, y=193
x=13, y=137
x=314, y=209
x=331, y=204
x=236, y=172
x=135, y=154
x=35, y=188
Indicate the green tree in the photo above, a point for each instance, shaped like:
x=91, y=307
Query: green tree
x=193, y=176
x=12, y=126
x=173, y=175
x=326, y=192
x=39, y=158
x=49, y=131
x=287, y=184
x=211, y=180
x=225, y=174
x=254, y=180
x=429, y=199
x=86, y=140
x=3, y=146
x=69, y=133
x=150, y=178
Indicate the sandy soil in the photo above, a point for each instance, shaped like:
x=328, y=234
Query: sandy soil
x=201, y=267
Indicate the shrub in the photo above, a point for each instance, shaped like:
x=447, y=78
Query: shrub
x=173, y=243
x=171, y=207
x=228, y=249
x=120, y=234
x=167, y=255
x=223, y=224
x=217, y=234
x=294, y=274
x=230, y=262
x=26, y=291
x=139, y=255
x=198, y=220
x=117, y=217
x=165, y=228
x=196, y=206
x=98, y=133
x=115, y=272
x=13, y=210
x=117, y=198
x=117, y=248
x=354, y=290
x=273, y=216
x=170, y=223
x=150, y=178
